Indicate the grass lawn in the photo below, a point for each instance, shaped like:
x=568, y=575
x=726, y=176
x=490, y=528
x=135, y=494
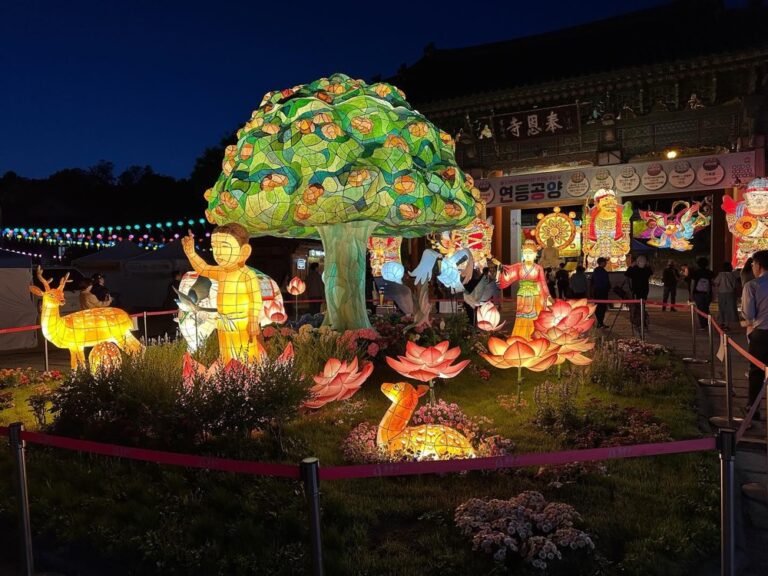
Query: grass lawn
x=648, y=516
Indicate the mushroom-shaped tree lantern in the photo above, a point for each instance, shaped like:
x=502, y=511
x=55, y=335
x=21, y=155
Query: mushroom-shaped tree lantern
x=341, y=160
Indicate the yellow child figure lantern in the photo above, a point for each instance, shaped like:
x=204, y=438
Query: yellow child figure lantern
x=82, y=329
x=425, y=442
x=606, y=231
x=238, y=301
x=532, y=294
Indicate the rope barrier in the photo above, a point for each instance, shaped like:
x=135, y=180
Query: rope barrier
x=366, y=470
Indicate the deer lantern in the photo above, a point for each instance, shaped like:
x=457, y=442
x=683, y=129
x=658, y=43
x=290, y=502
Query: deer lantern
x=82, y=329
x=425, y=442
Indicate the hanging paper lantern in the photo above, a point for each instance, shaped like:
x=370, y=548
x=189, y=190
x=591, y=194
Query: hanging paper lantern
x=296, y=286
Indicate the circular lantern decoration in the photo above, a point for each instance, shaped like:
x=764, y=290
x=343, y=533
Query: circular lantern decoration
x=556, y=225
x=105, y=356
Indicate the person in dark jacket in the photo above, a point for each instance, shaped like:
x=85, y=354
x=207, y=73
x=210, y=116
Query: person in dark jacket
x=639, y=275
x=561, y=277
x=700, y=284
x=670, y=277
x=601, y=286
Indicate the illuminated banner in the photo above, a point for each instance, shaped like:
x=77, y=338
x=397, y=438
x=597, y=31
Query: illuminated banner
x=527, y=124
x=669, y=176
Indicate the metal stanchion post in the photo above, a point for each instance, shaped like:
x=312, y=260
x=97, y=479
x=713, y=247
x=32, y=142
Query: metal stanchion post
x=758, y=490
x=712, y=380
x=310, y=475
x=726, y=445
x=45, y=349
x=642, y=320
x=727, y=421
x=146, y=334
x=692, y=359
x=25, y=528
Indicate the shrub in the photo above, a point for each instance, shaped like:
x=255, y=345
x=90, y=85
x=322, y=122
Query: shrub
x=38, y=403
x=241, y=398
x=525, y=527
x=143, y=401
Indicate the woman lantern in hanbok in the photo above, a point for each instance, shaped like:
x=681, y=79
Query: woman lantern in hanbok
x=606, y=231
x=532, y=293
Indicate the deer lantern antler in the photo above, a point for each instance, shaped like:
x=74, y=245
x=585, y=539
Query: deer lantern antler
x=46, y=283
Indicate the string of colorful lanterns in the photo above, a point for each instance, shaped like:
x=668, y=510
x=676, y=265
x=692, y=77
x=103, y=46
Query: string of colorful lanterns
x=148, y=236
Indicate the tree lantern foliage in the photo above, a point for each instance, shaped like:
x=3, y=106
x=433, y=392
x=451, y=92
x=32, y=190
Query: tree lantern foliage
x=341, y=160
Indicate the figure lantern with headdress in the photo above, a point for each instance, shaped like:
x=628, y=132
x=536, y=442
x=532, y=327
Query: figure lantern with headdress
x=748, y=221
x=606, y=230
x=532, y=292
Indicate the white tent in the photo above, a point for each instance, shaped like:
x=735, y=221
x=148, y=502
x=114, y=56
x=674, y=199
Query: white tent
x=17, y=307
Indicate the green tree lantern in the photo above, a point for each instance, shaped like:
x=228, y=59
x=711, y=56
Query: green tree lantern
x=341, y=160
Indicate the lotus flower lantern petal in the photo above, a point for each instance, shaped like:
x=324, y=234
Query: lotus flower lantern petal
x=488, y=317
x=296, y=286
x=339, y=381
x=426, y=363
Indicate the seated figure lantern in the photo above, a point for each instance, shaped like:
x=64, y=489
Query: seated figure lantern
x=748, y=221
x=606, y=231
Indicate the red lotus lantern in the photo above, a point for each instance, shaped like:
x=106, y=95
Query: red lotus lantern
x=427, y=363
x=339, y=381
x=296, y=286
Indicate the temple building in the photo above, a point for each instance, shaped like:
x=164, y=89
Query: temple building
x=665, y=107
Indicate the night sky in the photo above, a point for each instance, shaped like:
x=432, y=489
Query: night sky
x=157, y=81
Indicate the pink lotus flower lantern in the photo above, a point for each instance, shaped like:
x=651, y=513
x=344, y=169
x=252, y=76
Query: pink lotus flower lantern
x=339, y=381
x=488, y=317
x=563, y=324
x=275, y=312
x=427, y=363
x=296, y=286
x=536, y=354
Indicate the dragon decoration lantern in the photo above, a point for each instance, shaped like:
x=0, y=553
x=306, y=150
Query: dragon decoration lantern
x=676, y=229
x=382, y=250
x=475, y=237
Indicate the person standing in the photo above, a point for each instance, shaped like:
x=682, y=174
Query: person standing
x=700, y=286
x=670, y=277
x=727, y=284
x=579, y=283
x=746, y=273
x=755, y=309
x=561, y=278
x=601, y=286
x=551, y=281
x=639, y=276
x=315, y=288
